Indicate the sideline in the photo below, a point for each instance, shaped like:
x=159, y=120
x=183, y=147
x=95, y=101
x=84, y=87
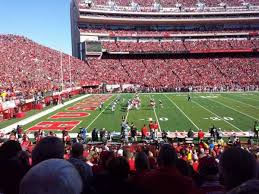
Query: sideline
x=39, y=115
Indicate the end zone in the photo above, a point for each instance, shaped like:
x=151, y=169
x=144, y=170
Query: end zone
x=55, y=125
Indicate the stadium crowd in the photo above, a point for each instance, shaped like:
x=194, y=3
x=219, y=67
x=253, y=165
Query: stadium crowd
x=28, y=68
x=155, y=32
x=168, y=3
x=172, y=73
x=175, y=46
x=48, y=164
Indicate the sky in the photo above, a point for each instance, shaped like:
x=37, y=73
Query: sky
x=46, y=22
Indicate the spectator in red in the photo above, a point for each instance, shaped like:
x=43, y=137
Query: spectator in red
x=25, y=142
x=151, y=126
x=128, y=155
x=67, y=138
x=200, y=135
x=156, y=127
x=144, y=132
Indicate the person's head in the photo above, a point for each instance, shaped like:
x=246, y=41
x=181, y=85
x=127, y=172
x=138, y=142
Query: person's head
x=52, y=176
x=207, y=166
x=105, y=158
x=119, y=168
x=141, y=162
x=236, y=166
x=9, y=149
x=48, y=148
x=167, y=156
x=183, y=167
x=77, y=150
x=14, y=163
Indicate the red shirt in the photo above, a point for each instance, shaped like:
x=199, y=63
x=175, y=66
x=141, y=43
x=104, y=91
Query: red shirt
x=200, y=134
x=151, y=126
x=66, y=156
x=195, y=166
x=155, y=126
x=132, y=164
x=67, y=138
x=25, y=144
x=144, y=131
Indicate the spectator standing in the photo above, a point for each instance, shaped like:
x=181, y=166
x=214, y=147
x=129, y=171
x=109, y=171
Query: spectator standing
x=84, y=169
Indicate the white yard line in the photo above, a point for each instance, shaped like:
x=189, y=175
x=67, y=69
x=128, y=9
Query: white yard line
x=41, y=114
x=127, y=114
x=99, y=115
x=182, y=112
x=217, y=115
x=126, y=117
x=234, y=109
x=241, y=102
x=154, y=109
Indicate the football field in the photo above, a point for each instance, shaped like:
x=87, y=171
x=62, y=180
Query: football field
x=228, y=111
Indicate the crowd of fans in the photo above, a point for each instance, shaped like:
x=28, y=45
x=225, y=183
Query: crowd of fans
x=172, y=73
x=28, y=68
x=169, y=3
x=200, y=31
x=52, y=165
x=175, y=46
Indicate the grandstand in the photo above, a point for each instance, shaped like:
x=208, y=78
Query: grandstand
x=184, y=45
x=159, y=97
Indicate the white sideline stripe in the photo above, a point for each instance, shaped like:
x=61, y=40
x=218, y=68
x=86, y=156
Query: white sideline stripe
x=156, y=116
x=39, y=115
x=241, y=102
x=99, y=114
x=218, y=116
x=182, y=112
x=234, y=109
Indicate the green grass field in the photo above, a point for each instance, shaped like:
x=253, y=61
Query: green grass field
x=229, y=111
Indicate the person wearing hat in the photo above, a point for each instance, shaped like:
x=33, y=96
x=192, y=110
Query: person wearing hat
x=52, y=176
